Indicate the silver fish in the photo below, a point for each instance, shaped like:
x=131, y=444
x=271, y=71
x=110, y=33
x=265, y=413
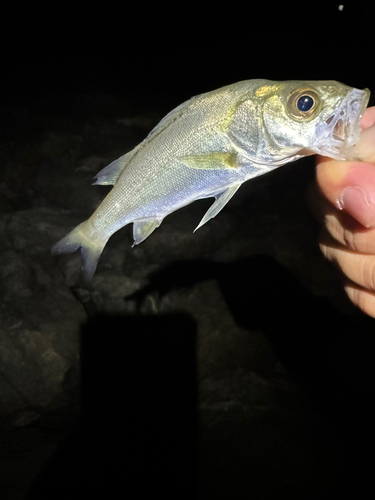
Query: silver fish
x=211, y=144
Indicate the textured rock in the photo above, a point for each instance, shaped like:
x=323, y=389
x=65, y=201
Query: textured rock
x=40, y=319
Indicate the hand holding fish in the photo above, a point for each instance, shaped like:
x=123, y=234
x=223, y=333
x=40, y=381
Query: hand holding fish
x=344, y=201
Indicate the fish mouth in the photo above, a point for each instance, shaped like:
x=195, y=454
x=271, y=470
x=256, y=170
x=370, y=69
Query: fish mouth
x=340, y=131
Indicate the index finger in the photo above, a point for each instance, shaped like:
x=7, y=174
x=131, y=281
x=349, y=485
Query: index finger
x=368, y=118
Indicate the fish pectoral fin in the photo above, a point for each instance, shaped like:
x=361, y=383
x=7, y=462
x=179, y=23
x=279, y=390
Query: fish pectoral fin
x=109, y=174
x=221, y=200
x=143, y=228
x=211, y=160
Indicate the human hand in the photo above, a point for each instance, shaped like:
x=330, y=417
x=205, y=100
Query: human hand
x=343, y=200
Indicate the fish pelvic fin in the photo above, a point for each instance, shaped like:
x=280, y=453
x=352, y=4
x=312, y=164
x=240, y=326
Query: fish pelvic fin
x=143, y=228
x=91, y=248
x=221, y=200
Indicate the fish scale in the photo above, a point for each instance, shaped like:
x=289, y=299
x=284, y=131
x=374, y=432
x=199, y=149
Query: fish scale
x=211, y=144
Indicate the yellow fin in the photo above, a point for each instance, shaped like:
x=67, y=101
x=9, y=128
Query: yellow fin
x=211, y=160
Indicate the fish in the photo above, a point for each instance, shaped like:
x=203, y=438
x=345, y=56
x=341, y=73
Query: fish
x=211, y=144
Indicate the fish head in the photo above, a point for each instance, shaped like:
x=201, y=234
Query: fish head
x=302, y=118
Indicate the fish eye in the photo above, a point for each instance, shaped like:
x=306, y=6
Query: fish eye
x=303, y=104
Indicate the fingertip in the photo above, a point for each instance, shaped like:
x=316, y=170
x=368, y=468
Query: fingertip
x=368, y=118
x=330, y=177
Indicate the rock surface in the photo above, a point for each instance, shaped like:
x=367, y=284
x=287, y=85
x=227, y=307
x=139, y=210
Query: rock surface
x=238, y=333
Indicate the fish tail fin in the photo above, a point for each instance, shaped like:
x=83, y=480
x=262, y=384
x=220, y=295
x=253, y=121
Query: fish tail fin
x=91, y=248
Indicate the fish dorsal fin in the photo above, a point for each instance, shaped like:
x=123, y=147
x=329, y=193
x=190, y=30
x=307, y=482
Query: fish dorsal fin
x=172, y=116
x=110, y=173
x=221, y=200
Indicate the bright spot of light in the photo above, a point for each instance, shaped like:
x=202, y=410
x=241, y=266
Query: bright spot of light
x=341, y=7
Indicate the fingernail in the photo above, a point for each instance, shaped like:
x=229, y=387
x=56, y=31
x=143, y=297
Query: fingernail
x=355, y=201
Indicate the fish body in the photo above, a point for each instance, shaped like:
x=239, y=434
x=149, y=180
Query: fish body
x=211, y=144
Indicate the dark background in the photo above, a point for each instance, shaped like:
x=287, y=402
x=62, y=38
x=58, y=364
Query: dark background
x=168, y=53
x=154, y=56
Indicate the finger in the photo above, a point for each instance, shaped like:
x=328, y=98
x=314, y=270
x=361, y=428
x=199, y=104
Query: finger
x=364, y=150
x=359, y=268
x=368, y=118
x=363, y=299
x=349, y=186
x=341, y=226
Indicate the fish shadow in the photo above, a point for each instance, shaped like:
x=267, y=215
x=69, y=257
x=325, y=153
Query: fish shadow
x=139, y=431
x=330, y=354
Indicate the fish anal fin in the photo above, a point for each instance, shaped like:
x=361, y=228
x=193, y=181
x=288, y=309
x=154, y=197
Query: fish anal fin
x=221, y=200
x=215, y=160
x=143, y=228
